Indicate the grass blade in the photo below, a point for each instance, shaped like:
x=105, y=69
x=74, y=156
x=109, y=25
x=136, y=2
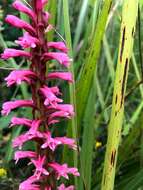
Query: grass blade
x=129, y=16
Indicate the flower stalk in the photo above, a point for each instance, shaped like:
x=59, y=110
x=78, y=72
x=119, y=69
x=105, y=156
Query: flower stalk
x=46, y=102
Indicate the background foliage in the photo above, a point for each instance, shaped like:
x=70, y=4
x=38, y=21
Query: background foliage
x=91, y=29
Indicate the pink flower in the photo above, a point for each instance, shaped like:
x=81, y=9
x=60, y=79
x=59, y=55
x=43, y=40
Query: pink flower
x=50, y=96
x=20, y=121
x=62, y=187
x=39, y=167
x=23, y=8
x=58, y=45
x=67, y=141
x=61, y=75
x=57, y=114
x=50, y=142
x=29, y=135
x=19, y=141
x=63, y=170
x=62, y=58
x=27, y=41
x=18, y=76
x=29, y=184
x=24, y=154
x=33, y=131
x=15, y=21
x=8, y=106
x=9, y=53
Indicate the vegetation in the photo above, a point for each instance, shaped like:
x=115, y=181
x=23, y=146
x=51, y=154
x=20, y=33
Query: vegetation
x=105, y=42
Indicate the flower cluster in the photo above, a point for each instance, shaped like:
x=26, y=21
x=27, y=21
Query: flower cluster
x=46, y=102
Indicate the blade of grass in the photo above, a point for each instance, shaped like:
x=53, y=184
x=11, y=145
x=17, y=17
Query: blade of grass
x=80, y=23
x=129, y=16
x=86, y=78
x=87, y=145
x=72, y=127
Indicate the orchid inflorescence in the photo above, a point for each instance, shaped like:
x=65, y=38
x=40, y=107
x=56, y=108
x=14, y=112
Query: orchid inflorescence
x=47, y=106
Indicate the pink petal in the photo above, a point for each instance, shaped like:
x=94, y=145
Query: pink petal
x=62, y=58
x=58, y=45
x=61, y=75
x=9, y=53
x=24, y=154
x=23, y=8
x=17, y=76
x=27, y=41
x=16, y=22
x=20, y=121
x=8, y=106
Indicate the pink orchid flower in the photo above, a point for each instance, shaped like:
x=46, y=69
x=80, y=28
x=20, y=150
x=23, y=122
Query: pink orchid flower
x=39, y=163
x=61, y=75
x=58, y=45
x=18, y=76
x=67, y=141
x=50, y=96
x=17, y=22
x=27, y=41
x=50, y=142
x=20, y=121
x=29, y=184
x=24, y=154
x=9, y=53
x=23, y=8
x=63, y=170
x=62, y=58
x=8, y=106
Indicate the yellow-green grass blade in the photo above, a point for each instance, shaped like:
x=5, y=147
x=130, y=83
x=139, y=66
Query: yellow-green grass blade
x=129, y=16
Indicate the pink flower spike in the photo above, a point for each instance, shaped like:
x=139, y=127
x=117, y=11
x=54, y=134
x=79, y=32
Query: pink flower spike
x=62, y=187
x=18, y=76
x=50, y=142
x=24, y=154
x=63, y=170
x=9, y=53
x=62, y=58
x=67, y=141
x=39, y=167
x=16, y=22
x=20, y=121
x=27, y=41
x=23, y=8
x=50, y=96
x=58, y=45
x=8, y=106
x=29, y=184
x=61, y=75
